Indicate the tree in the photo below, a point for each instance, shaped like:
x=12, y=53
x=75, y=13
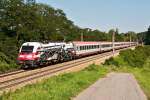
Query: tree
x=147, y=37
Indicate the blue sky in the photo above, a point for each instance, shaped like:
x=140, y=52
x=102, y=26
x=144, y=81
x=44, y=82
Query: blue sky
x=127, y=15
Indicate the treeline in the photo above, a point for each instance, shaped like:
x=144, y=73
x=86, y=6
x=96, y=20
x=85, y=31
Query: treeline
x=132, y=58
x=36, y=22
x=144, y=37
x=21, y=22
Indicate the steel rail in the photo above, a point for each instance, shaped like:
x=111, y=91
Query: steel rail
x=11, y=73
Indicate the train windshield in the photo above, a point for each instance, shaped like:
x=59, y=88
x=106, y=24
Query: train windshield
x=27, y=49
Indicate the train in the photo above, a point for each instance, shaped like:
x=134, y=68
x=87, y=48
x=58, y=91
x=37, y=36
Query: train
x=34, y=54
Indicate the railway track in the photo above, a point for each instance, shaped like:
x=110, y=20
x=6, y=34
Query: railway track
x=11, y=73
x=11, y=80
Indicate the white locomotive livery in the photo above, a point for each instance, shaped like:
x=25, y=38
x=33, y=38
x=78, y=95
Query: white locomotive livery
x=33, y=54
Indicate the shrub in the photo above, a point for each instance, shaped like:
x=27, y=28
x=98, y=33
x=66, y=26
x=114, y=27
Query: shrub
x=133, y=58
x=111, y=61
x=6, y=63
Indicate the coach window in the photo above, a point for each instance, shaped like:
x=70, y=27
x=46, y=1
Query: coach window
x=93, y=46
x=104, y=46
x=90, y=47
x=87, y=47
x=80, y=47
x=84, y=47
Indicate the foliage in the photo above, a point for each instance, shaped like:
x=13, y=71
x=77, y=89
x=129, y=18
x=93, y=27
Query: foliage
x=6, y=63
x=147, y=37
x=133, y=58
x=144, y=37
x=64, y=86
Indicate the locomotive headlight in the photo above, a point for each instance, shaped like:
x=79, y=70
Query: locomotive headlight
x=21, y=56
x=29, y=56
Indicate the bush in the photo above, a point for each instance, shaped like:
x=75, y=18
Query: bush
x=133, y=58
x=6, y=63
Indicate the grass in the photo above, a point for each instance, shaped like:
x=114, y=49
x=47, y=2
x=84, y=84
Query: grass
x=66, y=86
x=62, y=87
x=143, y=78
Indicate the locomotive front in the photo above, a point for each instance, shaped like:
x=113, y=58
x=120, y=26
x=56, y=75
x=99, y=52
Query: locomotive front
x=29, y=54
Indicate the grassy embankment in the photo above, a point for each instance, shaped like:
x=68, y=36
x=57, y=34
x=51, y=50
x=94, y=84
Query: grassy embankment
x=6, y=63
x=61, y=87
x=65, y=86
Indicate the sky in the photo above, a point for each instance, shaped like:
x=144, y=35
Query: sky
x=126, y=15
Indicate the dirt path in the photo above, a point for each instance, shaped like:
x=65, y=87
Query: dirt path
x=116, y=86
